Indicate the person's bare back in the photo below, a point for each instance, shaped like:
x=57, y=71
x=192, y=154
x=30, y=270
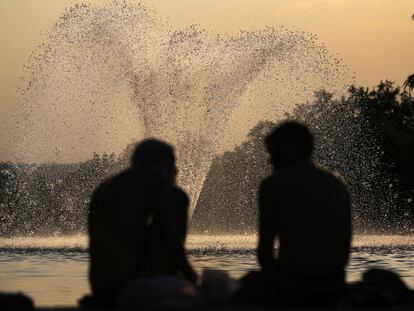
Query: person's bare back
x=308, y=210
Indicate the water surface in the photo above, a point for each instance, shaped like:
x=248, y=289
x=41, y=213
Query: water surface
x=53, y=270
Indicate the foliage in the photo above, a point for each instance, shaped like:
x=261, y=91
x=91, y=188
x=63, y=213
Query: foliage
x=227, y=202
x=366, y=138
x=50, y=198
x=409, y=83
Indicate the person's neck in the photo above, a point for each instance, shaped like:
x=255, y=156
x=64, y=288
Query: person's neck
x=293, y=162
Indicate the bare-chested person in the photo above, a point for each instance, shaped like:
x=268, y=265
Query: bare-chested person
x=137, y=224
x=308, y=210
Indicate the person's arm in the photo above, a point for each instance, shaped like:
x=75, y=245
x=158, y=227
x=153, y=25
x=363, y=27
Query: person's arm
x=348, y=219
x=94, y=219
x=174, y=222
x=181, y=211
x=266, y=229
x=181, y=216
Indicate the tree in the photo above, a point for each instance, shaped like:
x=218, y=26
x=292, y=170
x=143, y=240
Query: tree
x=409, y=83
x=366, y=137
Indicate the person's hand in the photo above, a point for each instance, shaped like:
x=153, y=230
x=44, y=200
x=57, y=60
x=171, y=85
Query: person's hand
x=192, y=276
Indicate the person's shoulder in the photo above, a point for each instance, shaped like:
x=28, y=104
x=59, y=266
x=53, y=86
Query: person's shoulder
x=108, y=185
x=332, y=177
x=268, y=182
x=118, y=179
x=181, y=196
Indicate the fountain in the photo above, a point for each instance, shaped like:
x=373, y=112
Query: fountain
x=108, y=75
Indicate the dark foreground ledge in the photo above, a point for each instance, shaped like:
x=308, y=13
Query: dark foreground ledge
x=252, y=308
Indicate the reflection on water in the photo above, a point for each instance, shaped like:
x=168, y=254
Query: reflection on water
x=49, y=277
x=54, y=270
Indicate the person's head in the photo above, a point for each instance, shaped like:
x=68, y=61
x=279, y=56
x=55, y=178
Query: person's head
x=290, y=141
x=154, y=154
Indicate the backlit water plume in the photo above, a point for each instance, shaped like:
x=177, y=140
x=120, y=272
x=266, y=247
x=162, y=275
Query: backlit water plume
x=108, y=75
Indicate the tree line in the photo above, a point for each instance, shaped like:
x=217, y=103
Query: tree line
x=366, y=137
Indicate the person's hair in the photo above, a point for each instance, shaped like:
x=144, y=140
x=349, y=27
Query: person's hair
x=153, y=153
x=293, y=135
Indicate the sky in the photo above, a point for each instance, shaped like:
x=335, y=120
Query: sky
x=375, y=38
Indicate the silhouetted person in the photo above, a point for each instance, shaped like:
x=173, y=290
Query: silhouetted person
x=137, y=223
x=308, y=210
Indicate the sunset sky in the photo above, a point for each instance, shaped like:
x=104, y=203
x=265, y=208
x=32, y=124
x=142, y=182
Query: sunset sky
x=375, y=38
